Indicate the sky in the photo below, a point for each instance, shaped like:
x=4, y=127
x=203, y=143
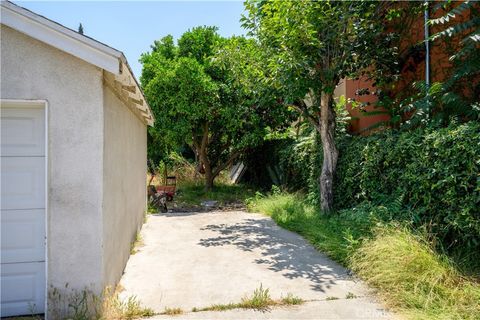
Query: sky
x=132, y=26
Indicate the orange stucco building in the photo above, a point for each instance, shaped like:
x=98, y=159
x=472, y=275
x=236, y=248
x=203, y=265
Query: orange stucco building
x=412, y=57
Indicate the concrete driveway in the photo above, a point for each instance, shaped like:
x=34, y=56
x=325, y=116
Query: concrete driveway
x=199, y=259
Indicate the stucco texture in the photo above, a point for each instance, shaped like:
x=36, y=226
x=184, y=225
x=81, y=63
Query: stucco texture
x=125, y=161
x=96, y=161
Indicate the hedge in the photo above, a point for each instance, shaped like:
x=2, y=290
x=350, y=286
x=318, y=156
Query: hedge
x=433, y=174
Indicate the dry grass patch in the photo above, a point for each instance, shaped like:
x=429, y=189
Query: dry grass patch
x=172, y=311
x=409, y=275
x=72, y=304
x=259, y=300
x=291, y=300
x=136, y=244
x=116, y=309
x=350, y=295
x=414, y=279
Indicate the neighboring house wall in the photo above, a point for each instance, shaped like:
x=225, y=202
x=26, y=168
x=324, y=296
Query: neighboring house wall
x=124, y=181
x=360, y=122
x=412, y=67
x=73, y=88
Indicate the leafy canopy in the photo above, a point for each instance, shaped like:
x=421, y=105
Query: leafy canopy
x=203, y=98
x=311, y=45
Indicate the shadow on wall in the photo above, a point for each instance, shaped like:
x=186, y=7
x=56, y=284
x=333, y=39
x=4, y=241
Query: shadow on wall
x=282, y=251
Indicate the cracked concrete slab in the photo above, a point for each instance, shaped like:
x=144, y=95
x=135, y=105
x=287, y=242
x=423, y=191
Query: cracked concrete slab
x=199, y=259
x=358, y=309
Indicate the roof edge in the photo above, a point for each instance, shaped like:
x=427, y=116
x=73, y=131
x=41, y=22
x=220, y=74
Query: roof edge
x=83, y=47
x=60, y=37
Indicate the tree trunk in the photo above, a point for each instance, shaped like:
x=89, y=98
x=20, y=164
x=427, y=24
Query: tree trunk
x=201, y=149
x=208, y=180
x=330, y=152
x=209, y=175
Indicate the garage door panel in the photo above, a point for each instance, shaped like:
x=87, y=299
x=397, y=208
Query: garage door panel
x=23, y=131
x=23, y=182
x=22, y=220
x=22, y=288
x=23, y=235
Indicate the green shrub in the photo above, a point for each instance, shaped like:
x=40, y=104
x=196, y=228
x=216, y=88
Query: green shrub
x=297, y=161
x=429, y=177
x=433, y=172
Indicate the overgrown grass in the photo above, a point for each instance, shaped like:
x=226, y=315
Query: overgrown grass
x=336, y=236
x=191, y=185
x=291, y=300
x=172, y=311
x=136, y=244
x=259, y=300
x=410, y=276
x=193, y=194
x=415, y=279
x=350, y=295
x=115, y=308
x=73, y=304
x=330, y=298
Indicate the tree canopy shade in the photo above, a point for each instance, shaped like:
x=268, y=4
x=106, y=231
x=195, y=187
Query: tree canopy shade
x=201, y=98
x=310, y=46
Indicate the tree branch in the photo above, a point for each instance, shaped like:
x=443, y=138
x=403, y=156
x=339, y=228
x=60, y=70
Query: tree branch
x=303, y=111
x=205, y=136
x=195, y=143
x=232, y=157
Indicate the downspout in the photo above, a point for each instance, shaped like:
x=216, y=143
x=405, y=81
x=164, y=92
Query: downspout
x=427, y=48
x=427, y=58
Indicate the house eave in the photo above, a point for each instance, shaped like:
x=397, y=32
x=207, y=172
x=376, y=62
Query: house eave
x=90, y=50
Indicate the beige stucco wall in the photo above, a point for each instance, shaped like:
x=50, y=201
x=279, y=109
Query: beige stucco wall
x=125, y=160
x=96, y=162
x=73, y=89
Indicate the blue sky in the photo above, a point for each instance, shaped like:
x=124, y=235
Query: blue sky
x=133, y=26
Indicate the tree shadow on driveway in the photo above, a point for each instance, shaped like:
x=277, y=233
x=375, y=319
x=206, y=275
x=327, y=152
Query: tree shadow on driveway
x=281, y=250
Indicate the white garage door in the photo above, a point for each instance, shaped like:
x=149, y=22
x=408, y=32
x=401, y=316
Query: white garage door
x=22, y=209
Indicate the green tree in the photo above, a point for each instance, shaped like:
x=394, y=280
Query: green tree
x=199, y=99
x=310, y=46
